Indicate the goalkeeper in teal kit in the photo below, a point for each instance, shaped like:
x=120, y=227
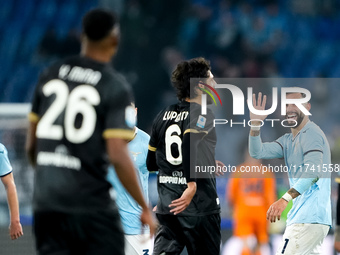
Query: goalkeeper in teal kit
x=307, y=155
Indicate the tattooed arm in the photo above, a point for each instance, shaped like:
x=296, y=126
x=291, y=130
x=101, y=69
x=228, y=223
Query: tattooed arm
x=293, y=192
x=275, y=210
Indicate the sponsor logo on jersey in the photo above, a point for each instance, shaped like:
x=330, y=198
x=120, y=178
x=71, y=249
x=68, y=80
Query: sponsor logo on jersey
x=177, y=173
x=172, y=180
x=59, y=158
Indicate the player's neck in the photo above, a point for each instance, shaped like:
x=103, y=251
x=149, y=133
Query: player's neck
x=97, y=54
x=295, y=131
x=196, y=100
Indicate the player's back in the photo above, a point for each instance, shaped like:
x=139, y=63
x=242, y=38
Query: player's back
x=168, y=130
x=78, y=102
x=169, y=127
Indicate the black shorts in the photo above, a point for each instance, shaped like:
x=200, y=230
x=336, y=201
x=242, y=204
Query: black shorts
x=95, y=233
x=201, y=235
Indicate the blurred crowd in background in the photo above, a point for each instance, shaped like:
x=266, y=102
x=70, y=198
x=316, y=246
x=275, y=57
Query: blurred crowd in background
x=241, y=38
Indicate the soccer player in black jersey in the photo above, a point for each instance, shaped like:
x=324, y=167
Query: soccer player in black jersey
x=81, y=120
x=188, y=208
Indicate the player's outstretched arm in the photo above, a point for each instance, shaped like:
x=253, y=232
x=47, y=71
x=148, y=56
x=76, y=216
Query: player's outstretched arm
x=275, y=210
x=15, y=228
x=119, y=157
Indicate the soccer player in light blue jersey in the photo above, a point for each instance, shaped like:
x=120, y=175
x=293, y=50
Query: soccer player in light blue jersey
x=307, y=155
x=6, y=175
x=137, y=237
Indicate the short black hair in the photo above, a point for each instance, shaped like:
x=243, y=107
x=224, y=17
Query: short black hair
x=98, y=23
x=193, y=68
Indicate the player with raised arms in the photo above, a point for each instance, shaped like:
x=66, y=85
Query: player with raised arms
x=304, y=149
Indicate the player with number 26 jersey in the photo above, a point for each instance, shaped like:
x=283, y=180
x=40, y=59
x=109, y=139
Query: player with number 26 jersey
x=78, y=102
x=80, y=122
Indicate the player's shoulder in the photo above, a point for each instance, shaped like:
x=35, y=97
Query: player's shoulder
x=285, y=137
x=115, y=76
x=52, y=69
x=196, y=112
x=311, y=128
x=312, y=132
x=59, y=67
x=143, y=135
x=165, y=113
x=2, y=148
x=114, y=82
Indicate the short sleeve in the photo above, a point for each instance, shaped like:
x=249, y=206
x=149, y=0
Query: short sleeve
x=199, y=123
x=120, y=116
x=34, y=115
x=5, y=166
x=154, y=134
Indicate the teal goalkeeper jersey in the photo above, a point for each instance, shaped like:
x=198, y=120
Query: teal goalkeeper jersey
x=5, y=166
x=308, y=160
x=128, y=208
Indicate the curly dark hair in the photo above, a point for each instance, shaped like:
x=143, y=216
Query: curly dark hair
x=193, y=68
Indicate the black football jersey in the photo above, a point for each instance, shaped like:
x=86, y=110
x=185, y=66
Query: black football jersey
x=77, y=104
x=168, y=130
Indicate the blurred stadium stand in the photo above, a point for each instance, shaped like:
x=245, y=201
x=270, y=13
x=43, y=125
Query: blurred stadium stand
x=248, y=38
x=266, y=38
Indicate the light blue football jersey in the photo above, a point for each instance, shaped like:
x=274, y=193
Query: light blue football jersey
x=5, y=165
x=308, y=158
x=128, y=208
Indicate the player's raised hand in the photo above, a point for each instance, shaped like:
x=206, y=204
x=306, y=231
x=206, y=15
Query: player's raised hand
x=15, y=230
x=147, y=219
x=258, y=104
x=275, y=210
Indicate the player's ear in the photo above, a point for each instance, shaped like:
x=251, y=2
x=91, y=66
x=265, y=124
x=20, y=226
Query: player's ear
x=114, y=40
x=115, y=36
x=200, y=84
x=308, y=106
